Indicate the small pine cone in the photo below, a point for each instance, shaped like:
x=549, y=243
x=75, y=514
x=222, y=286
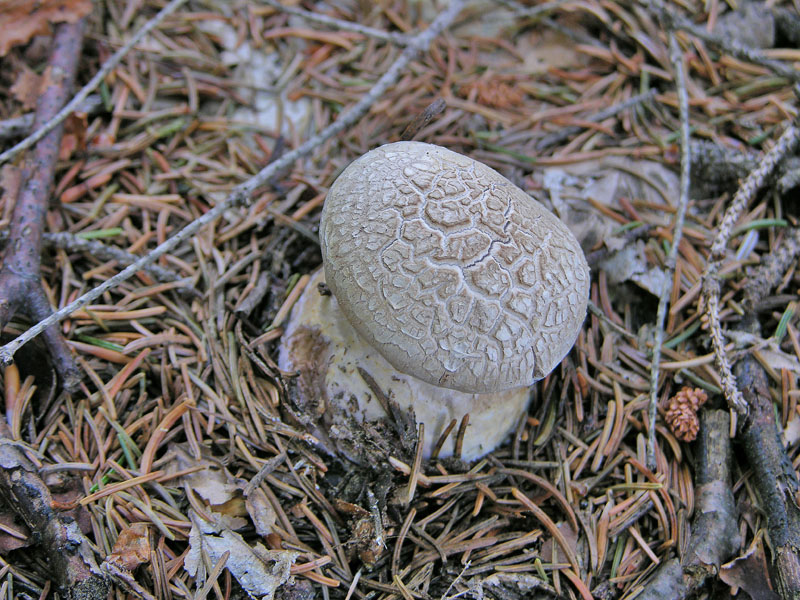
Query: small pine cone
x=694, y=397
x=681, y=414
x=683, y=421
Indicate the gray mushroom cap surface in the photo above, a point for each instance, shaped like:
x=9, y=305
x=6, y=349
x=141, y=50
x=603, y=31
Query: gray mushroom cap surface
x=333, y=363
x=454, y=274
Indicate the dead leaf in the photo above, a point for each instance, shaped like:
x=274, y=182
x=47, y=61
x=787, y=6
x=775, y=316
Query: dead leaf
x=495, y=91
x=259, y=571
x=630, y=264
x=74, y=135
x=27, y=87
x=13, y=535
x=571, y=189
x=132, y=547
x=213, y=483
x=749, y=572
x=261, y=512
x=552, y=551
x=20, y=20
x=791, y=433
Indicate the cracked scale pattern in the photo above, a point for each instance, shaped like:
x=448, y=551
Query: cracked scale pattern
x=454, y=274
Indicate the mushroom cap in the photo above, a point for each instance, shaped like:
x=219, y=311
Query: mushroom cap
x=330, y=358
x=454, y=274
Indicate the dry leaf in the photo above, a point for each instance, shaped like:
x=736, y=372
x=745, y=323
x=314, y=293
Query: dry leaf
x=20, y=20
x=261, y=512
x=749, y=572
x=27, y=87
x=9, y=542
x=213, y=483
x=132, y=547
x=552, y=551
x=74, y=135
x=259, y=571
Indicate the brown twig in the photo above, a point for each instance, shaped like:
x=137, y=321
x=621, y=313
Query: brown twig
x=70, y=556
x=714, y=534
x=423, y=119
x=773, y=474
x=20, y=281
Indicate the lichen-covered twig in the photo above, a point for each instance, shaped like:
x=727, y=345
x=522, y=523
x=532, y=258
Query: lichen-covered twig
x=43, y=128
x=669, y=268
x=762, y=279
x=711, y=288
x=242, y=193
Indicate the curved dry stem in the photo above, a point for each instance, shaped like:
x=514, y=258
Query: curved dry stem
x=669, y=268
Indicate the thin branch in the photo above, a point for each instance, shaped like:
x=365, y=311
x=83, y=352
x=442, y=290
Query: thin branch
x=241, y=194
x=84, y=92
x=676, y=57
x=21, y=287
x=714, y=536
x=68, y=553
x=394, y=38
x=532, y=12
x=711, y=288
x=22, y=125
x=560, y=135
x=732, y=47
x=72, y=243
x=754, y=182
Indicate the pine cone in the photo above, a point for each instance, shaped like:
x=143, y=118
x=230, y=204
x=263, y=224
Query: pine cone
x=683, y=422
x=681, y=414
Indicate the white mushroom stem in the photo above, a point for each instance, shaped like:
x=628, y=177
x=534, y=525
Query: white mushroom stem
x=332, y=358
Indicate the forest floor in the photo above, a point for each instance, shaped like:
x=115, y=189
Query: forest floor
x=182, y=454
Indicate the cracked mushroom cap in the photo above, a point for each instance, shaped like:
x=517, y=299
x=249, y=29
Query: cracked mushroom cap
x=455, y=275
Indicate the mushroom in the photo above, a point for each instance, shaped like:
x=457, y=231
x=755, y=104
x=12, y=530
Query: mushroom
x=453, y=292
